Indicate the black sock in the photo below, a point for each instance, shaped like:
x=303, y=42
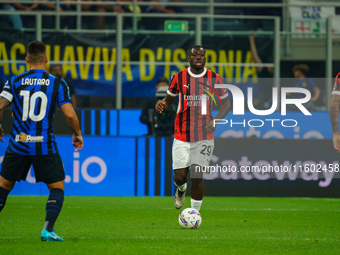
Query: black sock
x=53, y=208
x=3, y=197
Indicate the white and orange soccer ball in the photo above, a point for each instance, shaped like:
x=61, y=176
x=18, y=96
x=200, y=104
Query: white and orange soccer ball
x=190, y=218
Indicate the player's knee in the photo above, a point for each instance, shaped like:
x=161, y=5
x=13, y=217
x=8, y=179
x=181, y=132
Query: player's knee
x=179, y=177
x=56, y=185
x=5, y=184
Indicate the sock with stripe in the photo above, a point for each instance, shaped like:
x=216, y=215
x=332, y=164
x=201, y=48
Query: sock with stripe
x=53, y=208
x=196, y=204
x=3, y=197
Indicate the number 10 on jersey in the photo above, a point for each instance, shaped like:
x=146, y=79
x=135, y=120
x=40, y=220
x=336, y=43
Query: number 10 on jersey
x=29, y=104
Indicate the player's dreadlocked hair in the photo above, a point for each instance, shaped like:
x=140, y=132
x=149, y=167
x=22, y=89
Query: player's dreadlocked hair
x=196, y=46
x=36, y=52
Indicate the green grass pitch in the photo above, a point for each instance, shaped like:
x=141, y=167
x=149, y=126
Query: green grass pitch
x=149, y=225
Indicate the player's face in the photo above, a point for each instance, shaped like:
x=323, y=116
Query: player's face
x=196, y=58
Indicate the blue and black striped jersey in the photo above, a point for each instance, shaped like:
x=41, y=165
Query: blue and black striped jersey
x=34, y=96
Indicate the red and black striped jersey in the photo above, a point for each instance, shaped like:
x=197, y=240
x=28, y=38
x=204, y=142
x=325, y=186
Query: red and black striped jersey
x=196, y=98
x=336, y=87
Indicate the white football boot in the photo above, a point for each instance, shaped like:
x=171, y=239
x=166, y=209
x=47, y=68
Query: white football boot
x=179, y=197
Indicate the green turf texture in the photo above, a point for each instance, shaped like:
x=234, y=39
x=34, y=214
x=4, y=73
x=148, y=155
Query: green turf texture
x=149, y=225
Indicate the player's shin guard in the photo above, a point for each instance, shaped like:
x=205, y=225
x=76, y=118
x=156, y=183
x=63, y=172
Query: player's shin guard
x=3, y=197
x=196, y=204
x=53, y=208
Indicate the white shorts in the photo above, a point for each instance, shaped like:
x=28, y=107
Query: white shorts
x=185, y=154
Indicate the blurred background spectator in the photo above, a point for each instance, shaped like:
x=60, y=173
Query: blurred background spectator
x=129, y=9
x=164, y=9
x=13, y=18
x=26, y=7
x=100, y=23
x=265, y=74
x=300, y=72
x=159, y=24
x=159, y=124
x=57, y=71
x=261, y=11
x=16, y=19
x=66, y=21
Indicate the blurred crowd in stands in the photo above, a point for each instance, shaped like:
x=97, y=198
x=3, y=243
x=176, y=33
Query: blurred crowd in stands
x=104, y=7
x=102, y=20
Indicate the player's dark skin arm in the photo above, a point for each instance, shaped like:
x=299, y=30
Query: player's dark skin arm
x=334, y=115
x=73, y=123
x=165, y=103
x=224, y=110
x=3, y=103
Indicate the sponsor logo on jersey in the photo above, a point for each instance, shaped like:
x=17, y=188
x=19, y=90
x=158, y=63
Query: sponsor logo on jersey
x=28, y=138
x=194, y=97
x=34, y=81
x=209, y=93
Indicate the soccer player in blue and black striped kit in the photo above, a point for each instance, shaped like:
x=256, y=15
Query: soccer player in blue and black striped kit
x=34, y=96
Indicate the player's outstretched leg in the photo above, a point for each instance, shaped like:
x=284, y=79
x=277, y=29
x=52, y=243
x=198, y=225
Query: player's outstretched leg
x=180, y=180
x=5, y=187
x=197, y=190
x=53, y=208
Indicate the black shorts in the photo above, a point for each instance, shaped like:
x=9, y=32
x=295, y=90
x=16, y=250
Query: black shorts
x=47, y=168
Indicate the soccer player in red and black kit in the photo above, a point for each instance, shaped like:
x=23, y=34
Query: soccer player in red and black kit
x=34, y=96
x=194, y=125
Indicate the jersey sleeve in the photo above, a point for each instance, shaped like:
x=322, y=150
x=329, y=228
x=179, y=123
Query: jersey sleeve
x=221, y=92
x=63, y=96
x=173, y=87
x=336, y=87
x=7, y=91
x=70, y=86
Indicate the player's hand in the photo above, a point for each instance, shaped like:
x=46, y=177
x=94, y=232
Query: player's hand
x=210, y=127
x=77, y=142
x=336, y=142
x=1, y=134
x=160, y=105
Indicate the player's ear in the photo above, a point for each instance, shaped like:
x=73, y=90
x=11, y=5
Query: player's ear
x=46, y=59
x=27, y=60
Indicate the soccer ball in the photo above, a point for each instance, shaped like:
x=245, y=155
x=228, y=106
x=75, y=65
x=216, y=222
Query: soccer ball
x=190, y=218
